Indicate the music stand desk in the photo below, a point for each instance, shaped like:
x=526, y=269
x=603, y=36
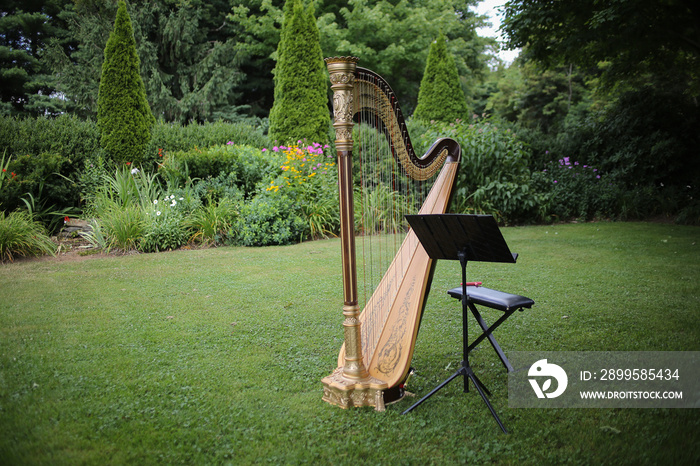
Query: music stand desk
x=465, y=238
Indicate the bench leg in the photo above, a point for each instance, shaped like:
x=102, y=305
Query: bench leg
x=488, y=334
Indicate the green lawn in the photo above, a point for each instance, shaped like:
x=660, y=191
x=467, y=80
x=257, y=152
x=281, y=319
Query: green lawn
x=216, y=356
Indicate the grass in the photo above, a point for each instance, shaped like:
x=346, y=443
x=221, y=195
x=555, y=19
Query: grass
x=215, y=356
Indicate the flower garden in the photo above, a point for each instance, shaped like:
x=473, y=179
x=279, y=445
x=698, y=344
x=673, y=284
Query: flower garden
x=228, y=184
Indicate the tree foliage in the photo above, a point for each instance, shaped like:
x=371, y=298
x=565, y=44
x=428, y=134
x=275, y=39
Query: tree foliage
x=205, y=60
x=636, y=41
x=440, y=96
x=391, y=38
x=538, y=99
x=189, y=57
x=300, y=109
x=123, y=114
x=26, y=86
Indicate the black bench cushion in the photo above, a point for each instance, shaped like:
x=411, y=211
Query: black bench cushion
x=492, y=298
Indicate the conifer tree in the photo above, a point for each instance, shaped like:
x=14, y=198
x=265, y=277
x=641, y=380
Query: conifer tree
x=124, y=117
x=440, y=96
x=300, y=108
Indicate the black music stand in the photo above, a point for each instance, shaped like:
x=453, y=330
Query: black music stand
x=465, y=238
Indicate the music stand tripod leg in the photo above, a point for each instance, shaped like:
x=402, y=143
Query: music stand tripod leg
x=461, y=371
x=473, y=378
x=465, y=370
x=468, y=372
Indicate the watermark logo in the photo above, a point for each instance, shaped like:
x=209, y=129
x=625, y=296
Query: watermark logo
x=542, y=368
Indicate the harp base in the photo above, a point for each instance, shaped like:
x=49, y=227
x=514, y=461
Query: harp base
x=346, y=393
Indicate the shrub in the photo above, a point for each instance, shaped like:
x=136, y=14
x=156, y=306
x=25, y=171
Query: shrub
x=173, y=137
x=268, y=219
x=212, y=223
x=309, y=176
x=91, y=178
x=20, y=235
x=578, y=190
x=164, y=226
x=66, y=135
x=214, y=189
x=43, y=178
x=47, y=157
x=118, y=227
x=493, y=177
x=247, y=164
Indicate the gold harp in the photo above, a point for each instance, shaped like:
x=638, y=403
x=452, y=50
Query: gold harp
x=375, y=359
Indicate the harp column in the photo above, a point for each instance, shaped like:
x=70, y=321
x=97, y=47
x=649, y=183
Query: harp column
x=350, y=385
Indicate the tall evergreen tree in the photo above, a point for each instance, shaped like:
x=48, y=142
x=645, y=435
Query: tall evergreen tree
x=124, y=117
x=440, y=96
x=300, y=108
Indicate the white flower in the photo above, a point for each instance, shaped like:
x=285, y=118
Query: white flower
x=134, y=171
x=172, y=204
x=172, y=196
x=182, y=198
x=155, y=201
x=158, y=213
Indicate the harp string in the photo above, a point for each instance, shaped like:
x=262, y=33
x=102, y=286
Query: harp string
x=387, y=192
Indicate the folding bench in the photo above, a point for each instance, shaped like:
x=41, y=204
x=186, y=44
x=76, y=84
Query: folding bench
x=506, y=302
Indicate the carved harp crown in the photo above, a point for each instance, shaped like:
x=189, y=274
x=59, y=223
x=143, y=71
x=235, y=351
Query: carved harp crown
x=379, y=341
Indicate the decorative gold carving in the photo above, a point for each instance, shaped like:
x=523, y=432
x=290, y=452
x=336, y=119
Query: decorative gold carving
x=342, y=106
x=345, y=393
x=344, y=135
x=390, y=354
x=342, y=76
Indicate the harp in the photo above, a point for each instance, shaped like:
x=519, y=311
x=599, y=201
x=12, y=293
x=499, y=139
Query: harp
x=374, y=361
